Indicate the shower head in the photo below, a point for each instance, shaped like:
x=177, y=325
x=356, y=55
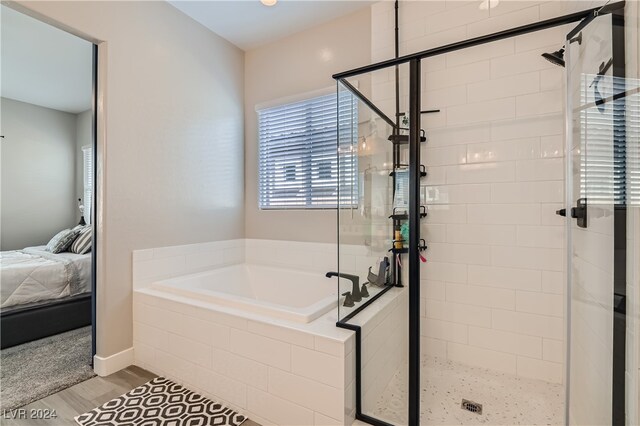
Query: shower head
x=556, y=58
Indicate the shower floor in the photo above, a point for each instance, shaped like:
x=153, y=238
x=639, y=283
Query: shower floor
x=505, y=398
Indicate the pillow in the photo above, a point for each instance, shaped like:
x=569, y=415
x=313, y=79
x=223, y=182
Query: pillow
x=82, y=243
x=62, y=240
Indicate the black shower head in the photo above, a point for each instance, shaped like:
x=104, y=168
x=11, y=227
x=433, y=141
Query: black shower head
x=556, y=58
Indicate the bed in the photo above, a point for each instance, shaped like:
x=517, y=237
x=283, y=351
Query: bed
x=42, y=293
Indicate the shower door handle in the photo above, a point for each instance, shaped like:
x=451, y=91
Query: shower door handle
x=579, y=212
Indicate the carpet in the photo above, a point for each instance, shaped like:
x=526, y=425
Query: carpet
x=33, y=370
x=161, y=402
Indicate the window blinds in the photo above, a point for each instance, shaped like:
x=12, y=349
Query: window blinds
x=305, y=149
x=609, y=172
x=87, y=161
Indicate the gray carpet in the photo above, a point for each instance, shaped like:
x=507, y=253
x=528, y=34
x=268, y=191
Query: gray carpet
x=40, y=368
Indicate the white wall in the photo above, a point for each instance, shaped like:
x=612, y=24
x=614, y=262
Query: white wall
x=173, y=159
x=298, y=64
x=83, y=138
x=38, y=174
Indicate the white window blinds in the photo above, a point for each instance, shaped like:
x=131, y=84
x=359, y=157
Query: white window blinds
x=87, y=162
x=298, y=154
x=609, y=171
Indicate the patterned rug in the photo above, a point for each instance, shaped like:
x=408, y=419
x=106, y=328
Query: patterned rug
x=160, y=402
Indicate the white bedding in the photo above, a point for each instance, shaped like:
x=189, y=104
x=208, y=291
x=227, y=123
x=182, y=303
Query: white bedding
x=35, y=275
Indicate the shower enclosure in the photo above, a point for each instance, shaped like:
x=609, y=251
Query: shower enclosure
x=468, y=292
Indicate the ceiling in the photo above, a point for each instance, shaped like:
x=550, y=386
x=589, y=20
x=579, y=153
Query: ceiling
x=249, y=24
x=43, y=65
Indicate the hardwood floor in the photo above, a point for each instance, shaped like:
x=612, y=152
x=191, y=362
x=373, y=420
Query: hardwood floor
x=81, y=398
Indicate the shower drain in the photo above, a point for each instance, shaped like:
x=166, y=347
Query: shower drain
x=474, y=407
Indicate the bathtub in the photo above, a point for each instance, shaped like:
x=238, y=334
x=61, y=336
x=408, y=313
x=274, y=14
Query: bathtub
x=275, y=292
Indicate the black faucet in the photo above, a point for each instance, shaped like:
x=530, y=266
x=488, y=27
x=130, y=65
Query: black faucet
x=355, y=292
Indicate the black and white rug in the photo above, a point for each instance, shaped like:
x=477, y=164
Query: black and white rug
x=161, y=402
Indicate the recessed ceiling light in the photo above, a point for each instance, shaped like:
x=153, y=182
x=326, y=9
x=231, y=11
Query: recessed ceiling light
x=269, y=2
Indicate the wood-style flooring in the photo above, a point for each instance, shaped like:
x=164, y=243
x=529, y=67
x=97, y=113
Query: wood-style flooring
x=81, y=398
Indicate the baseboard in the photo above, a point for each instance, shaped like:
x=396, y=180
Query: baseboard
x=112, y=364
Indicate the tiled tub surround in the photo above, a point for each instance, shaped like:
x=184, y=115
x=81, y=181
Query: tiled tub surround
x=274, y=371
x=492, y=291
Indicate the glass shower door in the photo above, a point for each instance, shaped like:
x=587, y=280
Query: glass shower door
x=596, y=175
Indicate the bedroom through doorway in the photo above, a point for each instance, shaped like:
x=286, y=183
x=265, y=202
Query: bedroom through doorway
x=47, y=209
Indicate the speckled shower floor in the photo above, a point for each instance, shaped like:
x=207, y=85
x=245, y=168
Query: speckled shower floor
x=506, y=399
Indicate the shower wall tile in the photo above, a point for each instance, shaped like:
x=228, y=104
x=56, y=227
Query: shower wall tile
x=495, y=162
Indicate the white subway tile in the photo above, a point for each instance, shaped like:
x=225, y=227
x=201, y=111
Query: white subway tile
x=505, y=341
x=442, y=98
x=308, y=393
x=552, y=79
x=460, y=16
x=458, y=194
x=456, y=76
x=176, y=367
x=490, y=297
x=528, y=192
x=444, y=330
x=540, y=303
x=549, y=216
x=480, y=53
x=458, y=313
x=517, y=149
x=321, y=420
x=446, y=213
x=433, y=347
x=481, y=173
x=222, y=387
x=545, y=125
x=504, y=214
x=497, y=109
x=434, y=290
x=502, y=21
x=482, y=357
x=317, y=366
x=141, y=255
x=503, y=87
x=261, y=349
x=539, y=369
x=546, y=39
x=150, y=336
x=553, y=282
x=328, y=346
x=143, y=354
x=539, y=103
x=190, y=350
x=540, y=170
x=443, y=156
x=510, y=278
x=519, y=63
x=239, y=368
x=531, y=324
x=541, y=236
x=277, y=410
x=457, y=135
x=459, y=253
x=481, y=234
x=438, y=271
x=154, y=268
x=552, y=146
x=553, y=350
x=284, y=334
x=527, y=258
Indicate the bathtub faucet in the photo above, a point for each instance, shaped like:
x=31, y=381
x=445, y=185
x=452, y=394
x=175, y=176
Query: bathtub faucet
x=355, y=292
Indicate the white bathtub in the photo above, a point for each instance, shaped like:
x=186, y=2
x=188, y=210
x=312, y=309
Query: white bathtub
x=276, y=292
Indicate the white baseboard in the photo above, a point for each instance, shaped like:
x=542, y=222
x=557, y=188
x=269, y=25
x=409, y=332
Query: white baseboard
x=114, y=363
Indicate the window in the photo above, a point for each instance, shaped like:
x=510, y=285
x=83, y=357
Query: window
x=87, y=162
x=298, y=155
x=609, y=172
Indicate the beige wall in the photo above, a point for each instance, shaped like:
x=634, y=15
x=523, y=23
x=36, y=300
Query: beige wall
x=37, y=174
x=173, y=154
x=301, y=63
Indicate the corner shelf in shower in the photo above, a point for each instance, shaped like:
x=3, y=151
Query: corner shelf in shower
x=423, y=170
